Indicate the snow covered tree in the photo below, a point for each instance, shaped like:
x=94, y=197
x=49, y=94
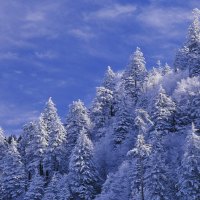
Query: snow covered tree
x=101, y=111
x=52, y=190
x=77, y=120
x=166, y=70
x=122, y=123
x=193, y=44
x=181, y=59
x=135, y=75
x=139, y=154
x=64, y=190
x=158, y=184
x=189, y=171
x=56, y=135
x=118, y=185
x=36, y=189
x=83, y=176
x=186, y=95
x=195, y=111
x=143, y=121
x=163, y=111
x=12, y=175
x=109, y=79
x=35, y=150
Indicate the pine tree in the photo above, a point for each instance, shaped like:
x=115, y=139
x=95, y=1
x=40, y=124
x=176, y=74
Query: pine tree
x=122, y=123
x=195, y=111
x=12, y=176
x=35, y=150
x=158, y=184
x=163, y=112
x=139, y=154
x=64, y=190
x=135, y=75
x=36, y=189
x=143, y=121
x=52, y=190
x=181, y=59
x=189, y=171
x=193, y=44
x=77, y=120
x=82, y=172
x=118, y=185
x=109, y=79
x=166, y=70
x=101, y=111
x=56, y=136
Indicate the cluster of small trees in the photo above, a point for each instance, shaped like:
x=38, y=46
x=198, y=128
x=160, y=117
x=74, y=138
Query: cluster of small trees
x=139, y=140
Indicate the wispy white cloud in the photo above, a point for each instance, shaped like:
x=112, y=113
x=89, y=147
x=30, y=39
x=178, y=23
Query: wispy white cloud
x=83, y=33
x=112, y=12
x=46, y=55
x=163, y=18
x=8, y=55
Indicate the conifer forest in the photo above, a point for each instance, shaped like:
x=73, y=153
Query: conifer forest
x=139, y=139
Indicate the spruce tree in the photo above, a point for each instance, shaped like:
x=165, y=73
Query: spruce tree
x=101, y=111
x=109, y=79
x=193, y=44
x=12, y=175
x=163, y=111
x=52, y=190
x=189, y=171
x=56, y=136
x=135, y=75
x=158, y=184
x=82, y=173
x=35, y=150
x=36, y=188
x=140, y=153
x=122, y=123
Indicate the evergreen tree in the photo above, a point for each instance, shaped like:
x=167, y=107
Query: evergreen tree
x=12, y=175
x=143, y=121
x=109, y=79
x=189, y=171
x=56, y=136
x=135, y=75
x=77, y=120
x=83, y=175
x=64, y=190
x=166, y=70
x=52, y=190
x=35, y=150
x=181, y=59
x=195, y=111
x=122, y=123
x=36, y=189
x=158, y=184
x=139, y=154
x=193, y=44
x=163, y=111
x=118, y=185
x=101, y=111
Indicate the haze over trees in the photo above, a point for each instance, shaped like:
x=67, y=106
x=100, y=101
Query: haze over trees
x=139, y=139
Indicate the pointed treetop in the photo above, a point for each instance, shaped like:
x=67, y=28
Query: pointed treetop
x=194, y=29
x=161, y=90
x=142, y=149
x=193, y=128
x=2, y=137
x=109, y=78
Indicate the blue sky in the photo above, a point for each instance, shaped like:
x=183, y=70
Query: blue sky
x=62, y=48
